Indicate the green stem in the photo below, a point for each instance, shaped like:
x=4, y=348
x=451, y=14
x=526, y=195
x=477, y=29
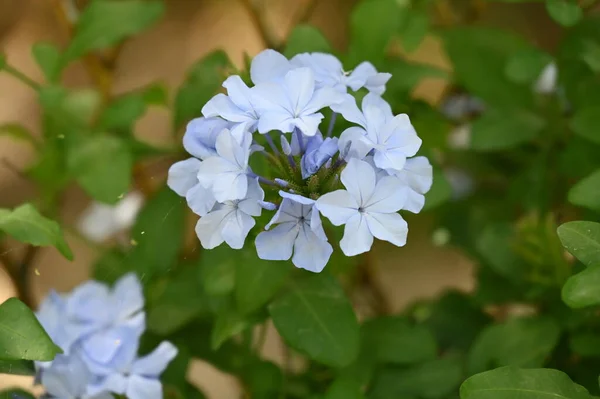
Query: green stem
x=22, y=77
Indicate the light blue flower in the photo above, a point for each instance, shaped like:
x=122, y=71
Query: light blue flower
x=236, y=107
x=225, y=173
x=417, y=176
x=293, y=103
x=183, y=179
x=269, y=66
x=68, y=378
x=318, y=152
x=329, y=72
x=231, y=221
x=200, y=136
x=391, y=138
x=52, y=315
x=299, y=230
x=367, y=208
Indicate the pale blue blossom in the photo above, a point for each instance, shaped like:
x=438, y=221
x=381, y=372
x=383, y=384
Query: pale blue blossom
x=231, y=221
x=236, y=107
x=269, y=66
x=200, y=136
x=417, y=176
x=299, y=231
x=68, y=378
x=183, y=179
x=329, y=72
x=392, y=139
x=293, y=103
x=318, y=152
x=225, y=173
x=368, y=208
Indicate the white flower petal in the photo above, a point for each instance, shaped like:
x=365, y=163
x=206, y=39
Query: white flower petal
x=389, y=196
x=338, y=206
x=300, y=84
x=183, y=175
x=359, y=179
x=357, y=236
x=267, y=66
x=309, y=124
x=277, y=244
x=236, y=228
x=200, y=199
x=311, y=252
x=208, y=228
x=276, y=120
x=389, y=227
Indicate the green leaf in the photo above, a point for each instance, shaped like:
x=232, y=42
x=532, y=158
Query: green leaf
x=586, y=193
x=526, y=66
x=395, y=340
x=582, y=240
x=306, y=39
x=414, y=30
x=227, y=325
x=512, y=383
x=16, y=394
x=17, y=367
x=372, y=24
x=583, y=289
x=70, y=111
x=344, y=388
x=495, y=245
x=565, y=12
x=315, y=317
x=586, y=123
x=497, y=130
x=176, y=301
x=111, y=266
x=585, y=344
x=18, y=132
x=435, y=379
x=2, y=61
x=21, y=334
x=263, y=379
x=412, y=73
x=105, y=23
x=25, y=224
x=479, y=56
x=524, y=342
x=203, y=81
x=218, y=273
x=102, y=165
x=257, y=280
x=440, y=191
x=48, y=57
x=157, y=234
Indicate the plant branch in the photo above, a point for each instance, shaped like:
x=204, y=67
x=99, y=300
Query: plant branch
x=258, y=18
x=368, y=278
x=19, y=272
x=21, y=77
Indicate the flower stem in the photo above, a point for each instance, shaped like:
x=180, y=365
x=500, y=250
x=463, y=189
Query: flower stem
x=271, y=144
x=331, y=124
x=300, y=140
x=21, y=77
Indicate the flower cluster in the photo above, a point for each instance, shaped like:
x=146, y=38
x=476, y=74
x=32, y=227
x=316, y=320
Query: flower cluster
x=99, y=330
x=360, y=180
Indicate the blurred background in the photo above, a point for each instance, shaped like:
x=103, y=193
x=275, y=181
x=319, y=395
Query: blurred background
x=190, y=30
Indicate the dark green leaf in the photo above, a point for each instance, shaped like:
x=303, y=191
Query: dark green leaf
x=102, y=165
x=414, y=30
x=105, y=23
x=586, y=123
x=440, y=192
x=395, y=340
x=219, y=270
x=524, y=342
x=434, y=379
x=111, y=266
x=583, y=289
x=48, y=57
x=565, y=12
x=27, y=225
x=344, y=388
x=17, y=367
x=512, y=383
x=306, y=39
x=16, y=394
x=496, y=130
x=158, y=233
x=123, y=112
x=21, y=334
x=227, y=325
x=203, y=81
x=412, y=73
x=315, y=317
x=526, y=66
x=263, y=379
x=257, y=280
x=495, y=245
x=587, y=192
x=582, y=240
x=585, y=344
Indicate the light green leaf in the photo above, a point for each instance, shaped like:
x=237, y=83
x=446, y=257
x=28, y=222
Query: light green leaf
x=440, y=191
x=315, y=317
x=414, y=29
x=412, y=73
x=27, y=225
x=227, y=325
x=395, y=340
x=524, y=342
x=344, y=388
x=203, y=81
x=70, y=111
x=257, y=280
x=512, y=383
x=497, y=130
x=565, y=12
x=48, y=57
x=585, y=344
x=526, y=65
x=124, y=111
x=2, y=61
x=17, y=367
x=218, y=273
x=583, y=289
x=157, y=234
x=102, y=165
x=306, y=39
x=16, y=394
x=582, y=240
x=105, y=23
x=434, y=379
x=591, y=55
x=21, y=334
x=587, y=192
x=586, y=123
x=18, y=132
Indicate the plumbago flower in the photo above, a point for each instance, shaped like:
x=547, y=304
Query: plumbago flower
x=99, y=330
x=360, y=179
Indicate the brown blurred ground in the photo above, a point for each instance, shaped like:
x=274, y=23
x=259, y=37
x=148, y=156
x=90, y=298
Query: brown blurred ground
x=191, y=29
